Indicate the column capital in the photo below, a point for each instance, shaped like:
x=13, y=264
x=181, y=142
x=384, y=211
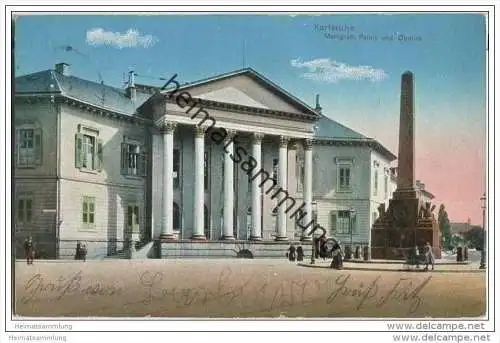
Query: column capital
x=308, y=144
x=167, y=126
x=257, y=138
x=284, y=141
x=199, y=131
x=230, y=134
x=293, y=144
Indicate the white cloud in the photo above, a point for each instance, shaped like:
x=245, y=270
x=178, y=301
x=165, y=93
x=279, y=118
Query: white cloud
x=130, y=39
x=324, y=69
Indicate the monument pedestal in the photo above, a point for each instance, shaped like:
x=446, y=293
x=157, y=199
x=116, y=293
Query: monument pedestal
x=404, y=226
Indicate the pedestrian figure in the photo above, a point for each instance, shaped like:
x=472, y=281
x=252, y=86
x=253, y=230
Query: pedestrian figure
x=417, y=257
x=81, y=251
x=337, y=262
x=29, y=249
x=300, y=254
x=291, y=253
x=429, y=256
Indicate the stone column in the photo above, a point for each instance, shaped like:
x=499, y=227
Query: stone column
x=168, y=129
x=406, y=158
x=256, y=233
x=228, y=186
x=308, y=163
x=282, y=182
x=199, y=187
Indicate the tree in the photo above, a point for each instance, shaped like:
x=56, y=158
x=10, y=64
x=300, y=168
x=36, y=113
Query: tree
x=475, y=237
x=445, y=228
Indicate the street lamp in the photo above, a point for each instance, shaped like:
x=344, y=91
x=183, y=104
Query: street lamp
x=482, y=264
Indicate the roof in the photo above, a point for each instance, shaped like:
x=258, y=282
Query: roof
x=329, y=130
x=97, y=94
x=257, y=77
x=115, y=99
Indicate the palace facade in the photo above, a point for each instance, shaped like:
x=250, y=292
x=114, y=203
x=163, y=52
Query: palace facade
x=199, y=169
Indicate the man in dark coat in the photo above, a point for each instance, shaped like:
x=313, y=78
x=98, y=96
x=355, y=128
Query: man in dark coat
x=291, y=253
x=337, y=262
x=29, y=250
x=300, y=254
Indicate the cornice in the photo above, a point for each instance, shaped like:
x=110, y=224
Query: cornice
x=218, y=105
x=75, y=103
x=370, y=143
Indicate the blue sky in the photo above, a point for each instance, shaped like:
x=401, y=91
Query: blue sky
x=448, y=61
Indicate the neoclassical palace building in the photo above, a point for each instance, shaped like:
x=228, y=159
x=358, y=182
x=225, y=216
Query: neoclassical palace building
x=206, y=168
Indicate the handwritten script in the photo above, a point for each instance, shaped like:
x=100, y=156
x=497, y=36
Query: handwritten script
x=243, y=295
x=256, y=295
x=39, y=288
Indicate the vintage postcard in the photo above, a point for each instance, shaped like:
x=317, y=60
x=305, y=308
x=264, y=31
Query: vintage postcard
x=310, y=168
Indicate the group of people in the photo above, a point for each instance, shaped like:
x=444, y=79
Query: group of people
x=29, y=250
x=295, y=253
x=427, y=257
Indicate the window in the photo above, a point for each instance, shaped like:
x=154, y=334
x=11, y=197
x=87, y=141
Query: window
x=28, y=147
x=177, y=218
x=275, y=170
x=375, y=182
x=374, y=217
x=133, y=159
x=343, y=222
x=88, y=211
x=205, y=169
x=24, y=209
x=88, y=151
x=344, y=178
x=386, y=186
x=177, y=168
x=300, y=174
x=333, y=223
x=133, y=218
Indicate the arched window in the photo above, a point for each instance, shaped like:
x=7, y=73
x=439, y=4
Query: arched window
x=206, y=222
x=177, y=218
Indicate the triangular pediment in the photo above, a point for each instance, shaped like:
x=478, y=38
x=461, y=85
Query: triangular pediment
x=247, y=88
x=231, y=95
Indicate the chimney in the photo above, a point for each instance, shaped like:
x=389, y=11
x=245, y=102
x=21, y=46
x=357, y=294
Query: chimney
x=318, y=106
x=62, y=68
x=131, y=90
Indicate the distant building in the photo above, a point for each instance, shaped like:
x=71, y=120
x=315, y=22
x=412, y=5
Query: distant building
x=460, y=229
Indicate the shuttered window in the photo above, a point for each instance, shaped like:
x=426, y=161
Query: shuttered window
x=344, y=178
x=28, y=149
x=88, y=212
x=343, y=224
x=133, y=159
x=88, y=152
x=25, y=209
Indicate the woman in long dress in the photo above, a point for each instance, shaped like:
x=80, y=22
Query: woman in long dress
x=429, y=256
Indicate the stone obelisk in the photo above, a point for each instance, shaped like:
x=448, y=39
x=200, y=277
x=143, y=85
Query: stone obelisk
x=403, y=226
x=406, y=159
